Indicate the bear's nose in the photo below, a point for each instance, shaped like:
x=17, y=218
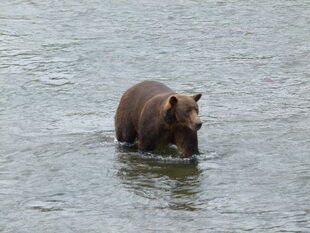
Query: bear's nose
x=198, y=125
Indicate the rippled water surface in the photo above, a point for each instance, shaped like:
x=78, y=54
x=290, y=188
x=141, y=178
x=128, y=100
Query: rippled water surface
x=63, y=68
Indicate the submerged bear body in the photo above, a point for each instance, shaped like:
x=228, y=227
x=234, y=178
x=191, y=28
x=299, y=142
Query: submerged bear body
x=156, y=116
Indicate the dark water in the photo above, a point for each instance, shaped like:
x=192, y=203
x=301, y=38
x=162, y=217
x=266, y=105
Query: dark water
x=63, y=68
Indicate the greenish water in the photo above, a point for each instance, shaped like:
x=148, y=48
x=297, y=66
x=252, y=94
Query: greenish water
x=64, y=66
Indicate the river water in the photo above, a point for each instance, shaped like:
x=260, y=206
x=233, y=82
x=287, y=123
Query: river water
x=64, y=66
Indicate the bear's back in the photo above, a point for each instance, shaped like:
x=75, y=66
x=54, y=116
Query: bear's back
x=135, y=97
x=146, y=90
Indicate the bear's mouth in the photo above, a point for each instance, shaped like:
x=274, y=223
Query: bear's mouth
x=198, y=126
x=194, y=127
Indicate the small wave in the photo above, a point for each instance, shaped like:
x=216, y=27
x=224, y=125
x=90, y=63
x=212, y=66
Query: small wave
x=167, y=154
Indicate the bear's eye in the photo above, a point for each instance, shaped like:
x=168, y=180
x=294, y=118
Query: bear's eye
x=188, y=110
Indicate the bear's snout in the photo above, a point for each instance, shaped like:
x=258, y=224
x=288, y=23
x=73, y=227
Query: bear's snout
x=198, y=125
x=196, y=122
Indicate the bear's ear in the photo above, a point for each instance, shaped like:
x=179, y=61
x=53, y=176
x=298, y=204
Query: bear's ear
x=196, y=97
x=173, y=100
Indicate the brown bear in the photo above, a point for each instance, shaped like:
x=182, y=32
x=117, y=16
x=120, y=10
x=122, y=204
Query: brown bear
x=156, y=116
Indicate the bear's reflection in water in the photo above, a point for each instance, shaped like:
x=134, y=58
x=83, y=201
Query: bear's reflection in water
x=168, y=180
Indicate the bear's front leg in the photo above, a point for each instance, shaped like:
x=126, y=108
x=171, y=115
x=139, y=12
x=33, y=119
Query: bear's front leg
x=187, y=142
x=146, y=142
x=148, y=131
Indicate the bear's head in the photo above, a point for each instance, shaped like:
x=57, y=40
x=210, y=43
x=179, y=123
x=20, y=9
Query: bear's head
x=182, y=111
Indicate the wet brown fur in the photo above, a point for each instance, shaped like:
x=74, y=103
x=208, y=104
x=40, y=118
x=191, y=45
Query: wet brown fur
x=156, y=116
